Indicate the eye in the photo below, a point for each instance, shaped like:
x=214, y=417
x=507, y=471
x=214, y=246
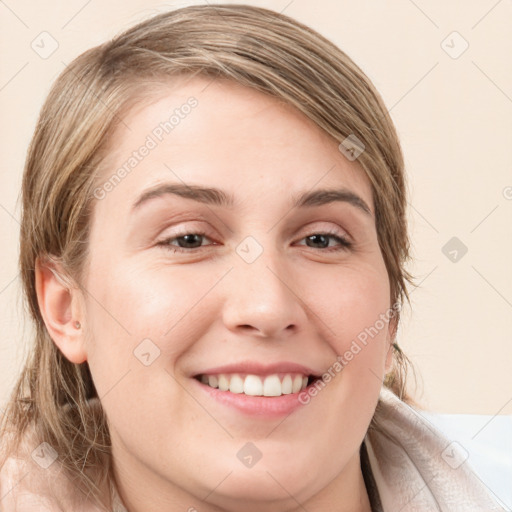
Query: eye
x=323, y=239
x=185, y=242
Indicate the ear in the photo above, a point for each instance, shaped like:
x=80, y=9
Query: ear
x=59, y=303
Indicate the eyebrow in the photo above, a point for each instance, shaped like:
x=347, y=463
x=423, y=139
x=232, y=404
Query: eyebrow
x=218, y=197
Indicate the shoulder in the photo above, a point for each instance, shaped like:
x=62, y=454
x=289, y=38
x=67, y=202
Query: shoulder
x=404, y=447
x=32, y=478
x=18, y=486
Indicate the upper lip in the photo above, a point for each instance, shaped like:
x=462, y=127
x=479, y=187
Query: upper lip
x=254, y=368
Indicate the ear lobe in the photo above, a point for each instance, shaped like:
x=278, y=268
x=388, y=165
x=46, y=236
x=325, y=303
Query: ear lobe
x=59, y=306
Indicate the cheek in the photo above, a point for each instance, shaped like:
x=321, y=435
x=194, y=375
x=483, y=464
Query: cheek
x=139, y=300
x=355, y=313
x=139, y=325
x=138, y=309
x=353, y=305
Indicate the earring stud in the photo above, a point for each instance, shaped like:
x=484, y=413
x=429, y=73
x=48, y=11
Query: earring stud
x=77, y=325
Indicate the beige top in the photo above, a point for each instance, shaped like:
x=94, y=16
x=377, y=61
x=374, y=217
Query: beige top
x=408, y=466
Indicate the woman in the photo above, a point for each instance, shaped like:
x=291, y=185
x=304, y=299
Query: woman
x=213, y=245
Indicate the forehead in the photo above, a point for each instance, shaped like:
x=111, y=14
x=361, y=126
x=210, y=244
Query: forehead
x=203, y=131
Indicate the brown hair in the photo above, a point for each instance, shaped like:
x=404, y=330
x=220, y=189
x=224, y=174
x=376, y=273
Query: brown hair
x=253, y=46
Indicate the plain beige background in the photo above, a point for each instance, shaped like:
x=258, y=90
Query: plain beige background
x=444, y=71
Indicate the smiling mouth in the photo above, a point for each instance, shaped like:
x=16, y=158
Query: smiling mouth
x=273, y=385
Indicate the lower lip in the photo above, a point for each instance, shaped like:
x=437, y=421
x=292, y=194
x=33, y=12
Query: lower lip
x=263, y=406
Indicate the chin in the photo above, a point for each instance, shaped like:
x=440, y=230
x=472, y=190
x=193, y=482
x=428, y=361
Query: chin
x=258, y=488
x=266, y=481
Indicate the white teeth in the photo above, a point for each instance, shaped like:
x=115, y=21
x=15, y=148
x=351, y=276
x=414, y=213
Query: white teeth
x=297, y=383
x=223, y=383
x=254, y=385
x=237, y=384
x=287, y=385
x=272, y=386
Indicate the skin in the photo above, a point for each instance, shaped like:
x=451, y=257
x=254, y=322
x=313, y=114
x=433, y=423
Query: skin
x=174, y=446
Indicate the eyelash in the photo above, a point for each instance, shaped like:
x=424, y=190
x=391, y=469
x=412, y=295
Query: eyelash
x=344, y=243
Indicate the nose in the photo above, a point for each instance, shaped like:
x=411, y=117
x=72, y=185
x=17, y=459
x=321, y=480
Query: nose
x=262, y=300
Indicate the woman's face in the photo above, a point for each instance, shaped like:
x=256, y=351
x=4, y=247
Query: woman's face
x=250, y=287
